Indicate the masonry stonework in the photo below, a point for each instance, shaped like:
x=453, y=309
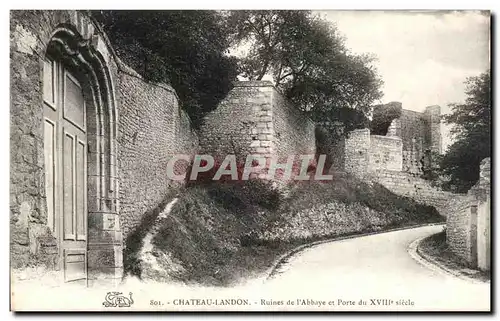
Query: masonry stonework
x=420, y=134
x=385, y=153
x=234, y=125
x=357, y=152
x=468, y=222
x=379, y=158
x=78, y=42
x=255, y=119
x=133, y=127
x=152, y=129
x=413, y=186
x=365, y=153
x=396, y=159
x=331, y=142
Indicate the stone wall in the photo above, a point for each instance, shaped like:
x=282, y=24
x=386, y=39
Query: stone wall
x=330, y=141
x=412, y=186
x=432, y=116
x=232, y=127
x=254, y=118
x=357, y=152
x=468, y=222
x=413, y=130
x=152, y=129
x=28, y=214
x=133, y=128
x=365, y=153
x=385, y=153
x=459, y=210
x=294, y=133
x=396, y=160
x=32, y=33
x=381, y=158
x=420, y=134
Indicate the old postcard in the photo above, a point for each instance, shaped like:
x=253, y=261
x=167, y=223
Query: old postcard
x=250, y=160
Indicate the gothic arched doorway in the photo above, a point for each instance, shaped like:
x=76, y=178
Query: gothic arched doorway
x=80, y=154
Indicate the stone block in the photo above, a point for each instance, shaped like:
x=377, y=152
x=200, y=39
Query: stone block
x=103, y=257
x=265, y=130
x=255, y=143
x=265, y=143
x=263, y=150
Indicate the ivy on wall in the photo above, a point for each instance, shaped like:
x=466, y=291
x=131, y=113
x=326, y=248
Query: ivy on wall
x=383, y=115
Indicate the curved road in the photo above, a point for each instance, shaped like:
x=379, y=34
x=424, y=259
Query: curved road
x=331, y=276
x=376, y=267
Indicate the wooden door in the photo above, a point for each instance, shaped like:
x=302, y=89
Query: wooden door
x=65, y=148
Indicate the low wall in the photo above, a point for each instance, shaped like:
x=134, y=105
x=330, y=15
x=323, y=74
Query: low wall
x=365, y=153
x=458, y=228
x=468, y=222
x=385, y=153
x=412, y=186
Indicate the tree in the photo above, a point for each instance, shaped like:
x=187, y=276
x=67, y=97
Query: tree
x=186, y=49
x=307, y=59
x=471, y=122
x=383, y=115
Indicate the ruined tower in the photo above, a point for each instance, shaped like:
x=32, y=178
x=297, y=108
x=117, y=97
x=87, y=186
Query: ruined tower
x=432, y=116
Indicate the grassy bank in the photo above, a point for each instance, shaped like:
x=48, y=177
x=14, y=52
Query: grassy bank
x=435, y=246
x=221, y=233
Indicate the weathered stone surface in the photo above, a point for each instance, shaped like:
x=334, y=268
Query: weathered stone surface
x=255, y=119
x=460, y=226
x=294, y=132
x=150, y=129
x=357, y=152
x=413, y=186
x=419, y=136
x=386, y=153
x=26, y=143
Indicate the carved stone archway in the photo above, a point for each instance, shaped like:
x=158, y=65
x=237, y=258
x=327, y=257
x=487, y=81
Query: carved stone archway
x=78, y=45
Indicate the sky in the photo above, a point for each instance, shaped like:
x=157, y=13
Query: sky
x=423, y=57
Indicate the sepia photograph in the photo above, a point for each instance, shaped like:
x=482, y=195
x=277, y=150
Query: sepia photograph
x=250, y=160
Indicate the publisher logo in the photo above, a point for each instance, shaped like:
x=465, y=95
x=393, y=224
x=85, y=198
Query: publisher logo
x=117, y=299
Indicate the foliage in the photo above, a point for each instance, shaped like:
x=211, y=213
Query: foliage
x=218, y=234
x=186, y=49
x=351, y=118
x=305, y=54
x=308, y=60
x=471, y=122
x=431, y=170
x=350, y=190
x=383, y=115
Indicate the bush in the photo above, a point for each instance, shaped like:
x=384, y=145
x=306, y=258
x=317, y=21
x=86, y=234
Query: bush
x=383, y=115
x=222, y=231
x=235, y=195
